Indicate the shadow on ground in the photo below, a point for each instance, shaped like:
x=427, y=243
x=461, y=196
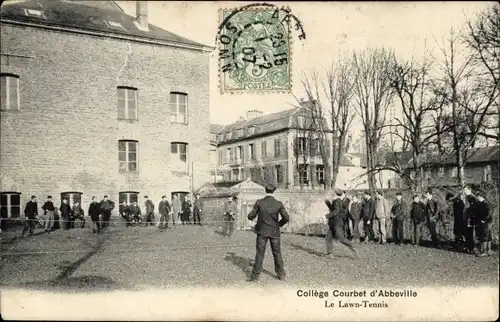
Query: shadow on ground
x=244, y=263
x=311, y=251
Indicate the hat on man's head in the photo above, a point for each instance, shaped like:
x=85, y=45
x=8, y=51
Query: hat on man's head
x=105, y=196
x=270, y=188
x=33, y=197
x=399, y=193
x=146, y=197
x=163, y=196
x=338, y=192
x=49, y=197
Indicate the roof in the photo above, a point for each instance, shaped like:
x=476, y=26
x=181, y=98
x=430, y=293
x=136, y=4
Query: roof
x=87, y=15
x=344, y=161
x=362, y=159
x=399, y=158
x=216, y=128
x=264, y=124
x=474, y=155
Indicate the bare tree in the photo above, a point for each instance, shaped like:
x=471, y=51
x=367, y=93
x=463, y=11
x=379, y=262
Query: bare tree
x=468, y=100
x=483, y=39
x=373, y=95
x=412, y=84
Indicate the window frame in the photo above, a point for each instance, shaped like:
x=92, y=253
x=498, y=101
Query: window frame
x=277, y=147
x=320, y=172
x=174, y=117
x=176, y=157
x=126, y=99
x=71, y=197
x=9, y=206
x=128, y=194
x=263, y=149
x=304, y=169
x=278, y=168
x=8, y=77
x=127, y=156
x=251, y=151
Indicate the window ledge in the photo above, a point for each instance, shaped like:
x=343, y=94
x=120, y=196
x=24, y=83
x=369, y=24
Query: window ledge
x=132, y=173
x=128, y=120
x=180, y=123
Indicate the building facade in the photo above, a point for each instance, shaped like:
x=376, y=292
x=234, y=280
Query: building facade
x=274, y=148
x=96, y=102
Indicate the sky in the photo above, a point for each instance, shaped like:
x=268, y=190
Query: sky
x=332, y=29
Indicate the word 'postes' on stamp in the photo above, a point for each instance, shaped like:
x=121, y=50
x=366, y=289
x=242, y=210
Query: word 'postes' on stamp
x=254, y=50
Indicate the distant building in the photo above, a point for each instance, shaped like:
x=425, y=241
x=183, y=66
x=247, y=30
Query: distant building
x=482, y=165
x=276, y=148
x=214, y=130
x=95, y=102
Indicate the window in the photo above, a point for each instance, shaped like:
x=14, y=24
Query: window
x=72, y=197
x=320, y=173
x=251, y=155
x=229, y=155
x=178, y=107
x=441, y=172
x=213, y=137
x=10, y=205
x=303, y=174
x=487, y=173
x=263, y=147
x=251, y=130
x=454, y=172
x=128, y=196
x=220, y=156
x=234, y=134
x=127, y=103
x=302, y=145
x=315, y=147
x=9, y=87
x=114, y=24
x=235, y=175
x=220, y=137
x=179, y=152
x=279, y=174
x=300, y=121
x=127, y=156
x=34, y=13
x=241, y=133
x=277, y=147
x=240, y=152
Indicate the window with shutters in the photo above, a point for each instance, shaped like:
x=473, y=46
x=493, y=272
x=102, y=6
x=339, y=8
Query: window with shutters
x=10, y=205
x=229, y=155
x=178, y=107
x=127, y=156
x=251, y=154
x=127, y=103
x=279, y=174
x=128, y=196
x=72, y=197
x=9, y=89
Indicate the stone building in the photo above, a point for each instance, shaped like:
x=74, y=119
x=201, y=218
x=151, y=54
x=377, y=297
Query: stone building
x=275, y=148
x=95, y=102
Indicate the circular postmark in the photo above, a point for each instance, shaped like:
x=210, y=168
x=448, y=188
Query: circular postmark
x=254, y=44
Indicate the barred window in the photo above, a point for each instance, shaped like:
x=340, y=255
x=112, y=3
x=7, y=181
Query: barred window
x=128, y=196
x=127, y=156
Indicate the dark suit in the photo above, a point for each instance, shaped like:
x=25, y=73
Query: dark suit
x=368, y=215
x=268, y=211
x=31, y=212
x=347, y=229
x=336, y=221
x=432, y=213
x=94, y=211
x=164, y=210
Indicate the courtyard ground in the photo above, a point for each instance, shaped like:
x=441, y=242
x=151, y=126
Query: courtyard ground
x=136, y=258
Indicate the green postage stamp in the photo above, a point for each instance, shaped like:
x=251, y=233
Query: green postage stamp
x=254, y=47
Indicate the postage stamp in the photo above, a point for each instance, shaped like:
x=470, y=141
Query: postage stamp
x=255, y=52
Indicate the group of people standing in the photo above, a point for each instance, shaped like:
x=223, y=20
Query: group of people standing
x=182, y=210
x=352, y=221
x=99, y=212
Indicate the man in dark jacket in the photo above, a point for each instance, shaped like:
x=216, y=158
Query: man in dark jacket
x=65, y=210
x=150, y=212
x=268, y=211
x=94, y=212
x=347, y=220
x=459, y=223
x=472, y=222
x=432, y=210
x=48, y=214
x=164, y=210
x=186, y=212
x=356, y=217
x=336, y=221
x=417, y=217
x=197, y=209
x=77, y=213
x=106, y=207
x=398, y=214
x=135, y=213
x=368, y=215
x=31, y=213
x=125, y=213
x=484, y=221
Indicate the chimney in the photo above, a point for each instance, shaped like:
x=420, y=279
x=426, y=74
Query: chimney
x=142, y=15
x=253, y=114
